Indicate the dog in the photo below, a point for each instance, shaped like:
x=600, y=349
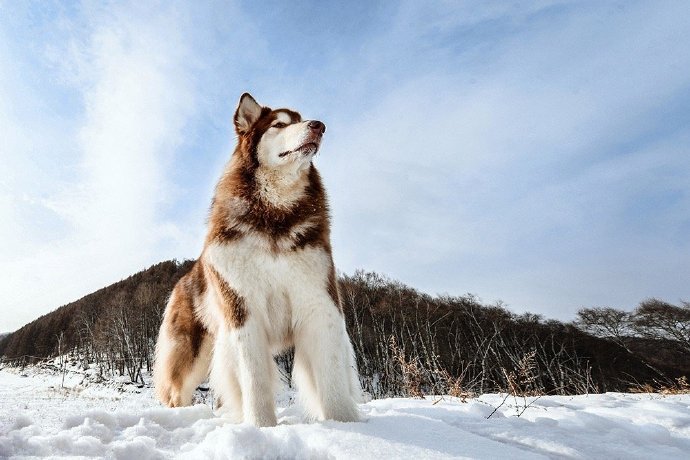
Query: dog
x=265, y=282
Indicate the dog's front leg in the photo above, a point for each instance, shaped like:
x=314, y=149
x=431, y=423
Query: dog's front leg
x=256, y=373
x=243, y=370
x=324, y=366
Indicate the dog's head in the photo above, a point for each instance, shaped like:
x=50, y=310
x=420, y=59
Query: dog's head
x=276, y=139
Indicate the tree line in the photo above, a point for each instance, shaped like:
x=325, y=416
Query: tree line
x=655, y=332
x=406, y=342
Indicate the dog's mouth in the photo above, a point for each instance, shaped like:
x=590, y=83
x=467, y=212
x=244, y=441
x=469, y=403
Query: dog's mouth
x=305, y=149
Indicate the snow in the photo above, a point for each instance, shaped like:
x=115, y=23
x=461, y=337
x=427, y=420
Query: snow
x=40, y=418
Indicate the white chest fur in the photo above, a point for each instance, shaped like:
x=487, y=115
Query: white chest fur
x=279, y=289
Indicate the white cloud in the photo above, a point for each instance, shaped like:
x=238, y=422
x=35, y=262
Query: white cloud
x=133, y=76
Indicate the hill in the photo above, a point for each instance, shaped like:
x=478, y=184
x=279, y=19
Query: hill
x=407, y=342
x=125, y=314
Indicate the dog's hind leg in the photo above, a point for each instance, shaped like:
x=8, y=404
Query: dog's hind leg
x=178, y=371
x=183, y=353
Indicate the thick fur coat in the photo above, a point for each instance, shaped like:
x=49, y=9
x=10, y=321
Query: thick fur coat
x=265, y=281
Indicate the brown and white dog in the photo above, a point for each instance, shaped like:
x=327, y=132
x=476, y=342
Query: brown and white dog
x=265, y=281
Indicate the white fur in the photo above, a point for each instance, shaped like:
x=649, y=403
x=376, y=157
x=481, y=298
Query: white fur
x=288, y=302
x=282, y=179
x=288, y=139
x=280, y=188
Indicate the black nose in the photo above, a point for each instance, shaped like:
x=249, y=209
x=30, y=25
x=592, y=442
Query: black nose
x=316, y=125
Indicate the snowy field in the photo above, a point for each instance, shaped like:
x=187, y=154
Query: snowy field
x=40, y=418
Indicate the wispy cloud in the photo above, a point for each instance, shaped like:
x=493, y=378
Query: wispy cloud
x=131, y=73
x=508, y=176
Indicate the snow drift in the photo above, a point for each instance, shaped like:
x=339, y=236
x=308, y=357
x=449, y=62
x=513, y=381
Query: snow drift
x=40, y=418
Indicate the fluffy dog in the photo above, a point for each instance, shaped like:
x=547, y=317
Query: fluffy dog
x=265, y=281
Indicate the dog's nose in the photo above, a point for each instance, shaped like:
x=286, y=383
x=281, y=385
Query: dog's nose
x=317, y=126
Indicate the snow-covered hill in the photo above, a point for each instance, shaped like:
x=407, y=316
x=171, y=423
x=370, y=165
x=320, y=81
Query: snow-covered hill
x=39, y=417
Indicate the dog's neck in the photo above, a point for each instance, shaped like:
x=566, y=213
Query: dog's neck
x=282, y=187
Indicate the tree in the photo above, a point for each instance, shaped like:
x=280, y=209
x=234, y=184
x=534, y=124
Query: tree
x=608, y=323
x=660, y=320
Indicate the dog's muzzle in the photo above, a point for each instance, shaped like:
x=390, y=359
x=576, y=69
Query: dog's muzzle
x=313, y=140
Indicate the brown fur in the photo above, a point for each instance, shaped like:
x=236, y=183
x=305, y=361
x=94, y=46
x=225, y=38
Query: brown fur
x=185, y=329
x=233, y=304
x=183, y=321
x=333, y=290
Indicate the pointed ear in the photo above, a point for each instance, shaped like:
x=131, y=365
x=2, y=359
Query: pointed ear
x=248, y=111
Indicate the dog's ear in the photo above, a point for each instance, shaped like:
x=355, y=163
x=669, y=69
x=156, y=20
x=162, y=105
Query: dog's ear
x=248, y=111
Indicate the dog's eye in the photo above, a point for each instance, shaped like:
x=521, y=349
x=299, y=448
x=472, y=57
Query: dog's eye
x=280, y=125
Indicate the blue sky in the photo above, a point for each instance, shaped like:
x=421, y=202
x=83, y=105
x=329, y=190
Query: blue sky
x=532, y=152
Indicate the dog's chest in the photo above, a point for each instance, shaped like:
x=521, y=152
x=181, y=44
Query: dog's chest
x=275, y=285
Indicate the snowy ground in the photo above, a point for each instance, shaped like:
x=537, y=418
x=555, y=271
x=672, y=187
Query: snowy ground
x=39, y=418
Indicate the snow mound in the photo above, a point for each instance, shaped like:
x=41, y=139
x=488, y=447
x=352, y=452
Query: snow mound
x=39, y=419
x=196, y=433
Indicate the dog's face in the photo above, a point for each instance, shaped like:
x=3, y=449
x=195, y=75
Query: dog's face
x=279, y=139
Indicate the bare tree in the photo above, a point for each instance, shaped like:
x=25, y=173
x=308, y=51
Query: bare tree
x=607, y=322
x=657, y=319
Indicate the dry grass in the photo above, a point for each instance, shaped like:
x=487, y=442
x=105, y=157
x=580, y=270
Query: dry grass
x=454, y=386
x=522, y=380
x=522, y=384
x=411, y=370
x=680, y=387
